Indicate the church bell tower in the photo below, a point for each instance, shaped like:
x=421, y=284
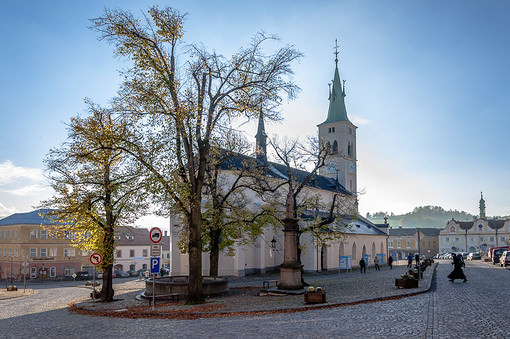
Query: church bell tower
x=338, y=133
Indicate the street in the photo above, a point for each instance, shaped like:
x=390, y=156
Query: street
x=476, y=309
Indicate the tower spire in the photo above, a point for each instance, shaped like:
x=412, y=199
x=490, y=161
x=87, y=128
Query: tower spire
x=337, y=111
x=482, y=206
x=260, y=137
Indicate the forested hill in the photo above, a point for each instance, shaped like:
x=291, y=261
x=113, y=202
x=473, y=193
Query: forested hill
x=424, y=216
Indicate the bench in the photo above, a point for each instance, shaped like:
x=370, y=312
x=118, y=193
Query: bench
x=267, y=283
x=171, y=297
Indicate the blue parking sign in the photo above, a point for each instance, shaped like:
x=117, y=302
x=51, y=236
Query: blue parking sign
x=154, y=265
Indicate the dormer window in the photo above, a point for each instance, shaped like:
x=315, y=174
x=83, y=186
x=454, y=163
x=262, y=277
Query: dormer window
x=452, y=229
x=129, y=236
x=480, y=227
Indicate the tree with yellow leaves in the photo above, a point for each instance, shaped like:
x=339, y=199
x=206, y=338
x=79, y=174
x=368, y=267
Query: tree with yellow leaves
x=96, y=187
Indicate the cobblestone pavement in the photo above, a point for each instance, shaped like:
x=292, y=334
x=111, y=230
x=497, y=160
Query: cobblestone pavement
x=476, y=309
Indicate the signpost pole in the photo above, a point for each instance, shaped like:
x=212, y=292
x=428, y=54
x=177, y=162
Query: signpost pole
x=94, y=285
x=153, y=291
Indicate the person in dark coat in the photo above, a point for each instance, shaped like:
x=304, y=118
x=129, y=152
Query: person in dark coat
x=362, y=266
x=390, y=262
x=410, y=261
x=457, y=272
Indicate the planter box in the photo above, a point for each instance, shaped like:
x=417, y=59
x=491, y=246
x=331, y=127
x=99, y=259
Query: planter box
x=406, y=283
x=315, y=297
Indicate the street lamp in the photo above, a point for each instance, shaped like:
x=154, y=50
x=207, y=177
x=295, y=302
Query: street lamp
x=273, y=243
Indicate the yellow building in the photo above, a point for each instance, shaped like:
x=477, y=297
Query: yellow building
x=24, y=243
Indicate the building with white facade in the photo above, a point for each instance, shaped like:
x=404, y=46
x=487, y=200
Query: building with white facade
x=477, y=235
x=362, y=238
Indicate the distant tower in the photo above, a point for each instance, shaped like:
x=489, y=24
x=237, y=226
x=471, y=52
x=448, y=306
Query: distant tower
x=261, y=144
x=339, y=134
x=482, y=206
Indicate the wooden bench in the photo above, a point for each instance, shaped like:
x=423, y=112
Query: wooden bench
x=267, y=283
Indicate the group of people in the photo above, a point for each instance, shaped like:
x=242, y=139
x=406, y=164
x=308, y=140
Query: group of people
x=457, y=273
x=363, y=264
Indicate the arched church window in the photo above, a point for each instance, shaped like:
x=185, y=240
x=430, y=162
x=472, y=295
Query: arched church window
x=452, y=229
x=349, y=149
x=328, y=146
x=335, y=146
x=480, y=227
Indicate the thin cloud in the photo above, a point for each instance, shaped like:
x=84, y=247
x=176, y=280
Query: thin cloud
x=27, y=190
x=5, y=211
x=357, y=120
x=10, y=174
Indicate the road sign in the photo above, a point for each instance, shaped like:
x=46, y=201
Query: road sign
x=155, y=250
x=24, y=271
x=155, y=235
x=154, y=265
x=96, y=258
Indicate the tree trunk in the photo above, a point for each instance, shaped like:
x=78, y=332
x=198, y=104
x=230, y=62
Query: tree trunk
x=107, y=291
x=195, y=257
x=215, y=252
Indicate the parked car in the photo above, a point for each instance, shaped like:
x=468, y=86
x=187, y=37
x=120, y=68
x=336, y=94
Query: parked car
x=82, y=275
x=121, y=274
x=496, y=254
x=474, y=256
x=504, y=260
x=132, y=273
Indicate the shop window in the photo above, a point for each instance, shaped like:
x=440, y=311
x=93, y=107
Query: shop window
x=53, y=272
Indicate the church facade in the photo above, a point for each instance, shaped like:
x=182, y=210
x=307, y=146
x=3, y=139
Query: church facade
x=361, y=240
x=477, y=235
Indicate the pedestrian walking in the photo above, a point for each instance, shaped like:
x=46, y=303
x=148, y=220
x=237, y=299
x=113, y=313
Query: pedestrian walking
x=390, y=262
x=410, y=261
x=457, y=272
x=417, y=259
x=362, y=266
x=376, y=264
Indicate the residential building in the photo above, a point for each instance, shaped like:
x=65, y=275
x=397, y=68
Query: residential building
x=24, y=242
x=132, y=248
x=403, y=241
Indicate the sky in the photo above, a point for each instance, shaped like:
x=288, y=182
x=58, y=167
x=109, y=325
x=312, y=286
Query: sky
x=426, y=81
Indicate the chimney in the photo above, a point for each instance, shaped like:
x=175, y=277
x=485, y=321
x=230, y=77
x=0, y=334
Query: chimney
x=166, y=233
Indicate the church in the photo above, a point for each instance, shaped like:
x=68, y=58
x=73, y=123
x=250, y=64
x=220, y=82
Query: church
x=361, y=238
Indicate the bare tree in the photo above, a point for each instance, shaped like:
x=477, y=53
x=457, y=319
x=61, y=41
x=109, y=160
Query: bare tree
x=297, y=177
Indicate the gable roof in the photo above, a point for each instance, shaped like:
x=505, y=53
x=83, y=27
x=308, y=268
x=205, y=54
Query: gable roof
x=235, y=161
x=130, y=235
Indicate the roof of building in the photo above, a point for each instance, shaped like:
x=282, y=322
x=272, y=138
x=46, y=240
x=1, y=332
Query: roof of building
x=407, y=232
x=130, y=235
x=337, y=111
x=236, y=161
x=493, y=223
x=36, y=217
x=349, y=224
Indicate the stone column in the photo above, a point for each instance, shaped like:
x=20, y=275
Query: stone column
x=290, y=270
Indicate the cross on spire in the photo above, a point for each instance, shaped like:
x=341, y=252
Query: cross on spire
x=336, y=51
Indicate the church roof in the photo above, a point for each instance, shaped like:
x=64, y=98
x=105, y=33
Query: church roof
x=236, y=161
x=337, y=111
